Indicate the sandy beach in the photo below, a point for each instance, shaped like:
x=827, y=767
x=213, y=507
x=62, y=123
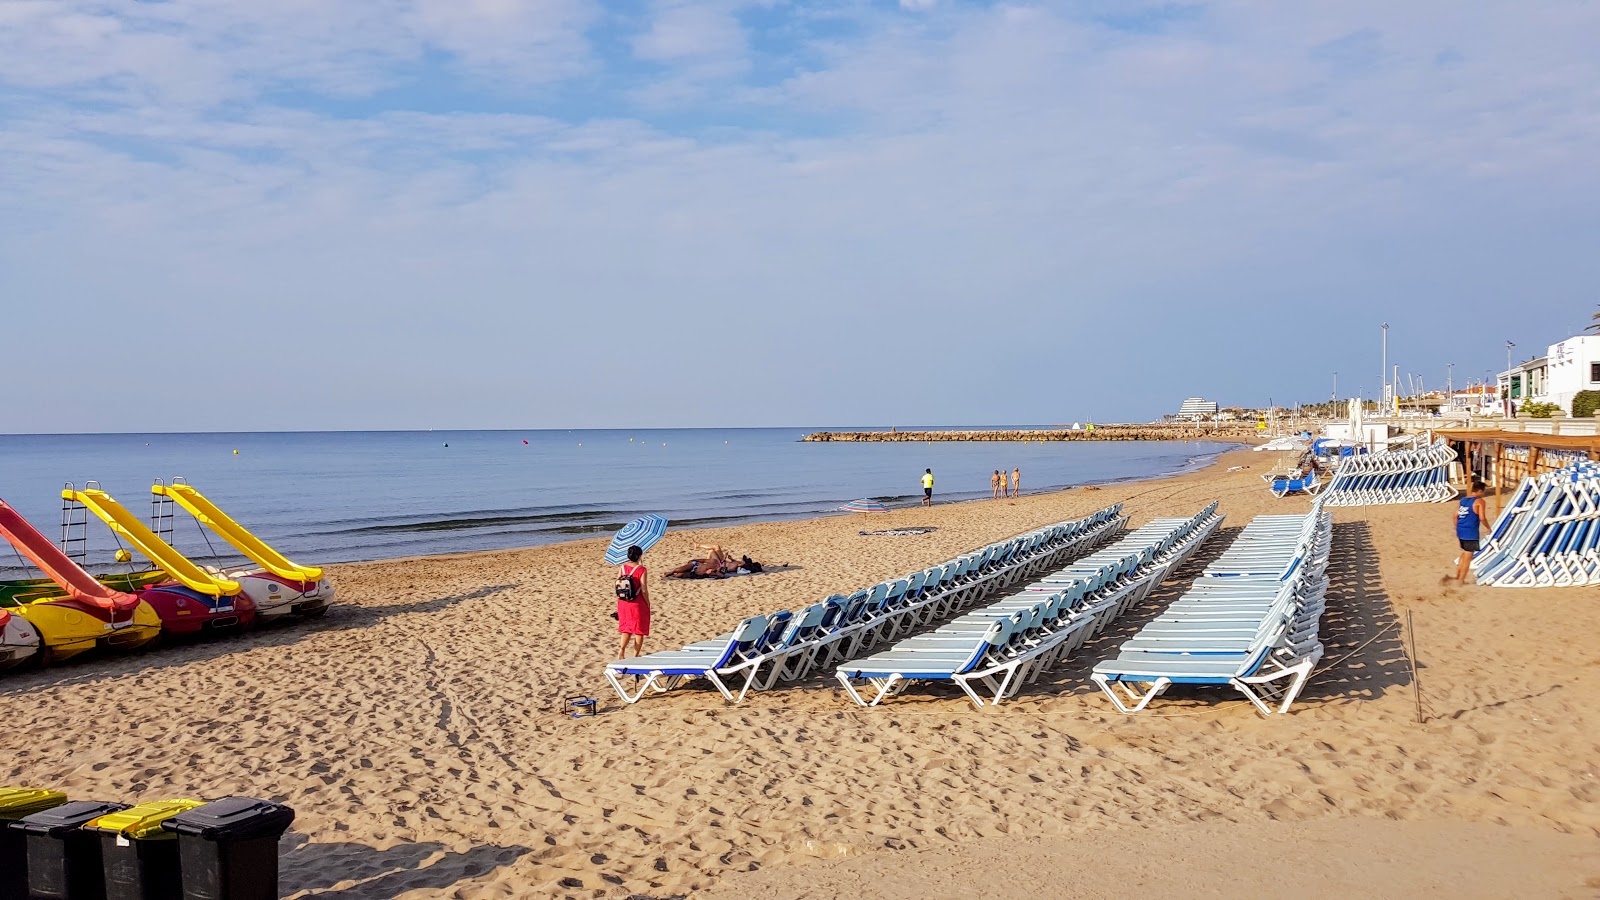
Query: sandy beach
x=418, y=731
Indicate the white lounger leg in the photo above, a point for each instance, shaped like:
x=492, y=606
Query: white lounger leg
x=885, y=687
x=1157, y=687
x=649, y=682
x=1297, y=674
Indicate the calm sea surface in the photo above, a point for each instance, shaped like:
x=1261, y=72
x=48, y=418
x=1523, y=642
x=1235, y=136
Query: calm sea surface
x=342, y=496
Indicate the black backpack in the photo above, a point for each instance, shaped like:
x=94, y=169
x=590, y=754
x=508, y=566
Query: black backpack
x=627, y=588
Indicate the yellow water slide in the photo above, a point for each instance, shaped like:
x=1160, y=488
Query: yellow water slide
x=251, y=546
x=125, y=523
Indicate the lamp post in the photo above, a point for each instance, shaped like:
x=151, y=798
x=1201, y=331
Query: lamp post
x=1383, y=380
x=1335, y=397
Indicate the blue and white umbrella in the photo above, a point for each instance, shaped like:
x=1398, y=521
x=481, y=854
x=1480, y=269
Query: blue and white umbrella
x=864, y=506
x=643, y=532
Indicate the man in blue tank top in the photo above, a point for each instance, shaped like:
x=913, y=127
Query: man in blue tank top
x=1469, y=522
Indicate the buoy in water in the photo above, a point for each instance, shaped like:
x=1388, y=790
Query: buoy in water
x=446, y=443
x=235, y=453
x=122, y=555
x=524, y=442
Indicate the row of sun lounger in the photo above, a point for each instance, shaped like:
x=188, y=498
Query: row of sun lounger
x=991, y=652
x=1420, y=475
x=784, y=646
x=1250, y=621
x=1548, y=535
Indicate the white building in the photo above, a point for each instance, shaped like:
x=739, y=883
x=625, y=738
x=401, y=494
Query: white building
x=1569, y=367
x=1195, y=409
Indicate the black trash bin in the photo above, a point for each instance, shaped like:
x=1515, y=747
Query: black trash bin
x=228, y=850
x=138, y=856
x=63, y=859
x=15, y=803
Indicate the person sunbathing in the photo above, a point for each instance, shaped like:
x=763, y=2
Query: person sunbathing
x=717, y=564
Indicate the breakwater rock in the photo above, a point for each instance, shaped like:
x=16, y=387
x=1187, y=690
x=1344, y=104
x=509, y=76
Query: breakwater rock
x=1100, y=433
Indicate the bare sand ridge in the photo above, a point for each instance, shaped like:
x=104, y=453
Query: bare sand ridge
x=416, y=732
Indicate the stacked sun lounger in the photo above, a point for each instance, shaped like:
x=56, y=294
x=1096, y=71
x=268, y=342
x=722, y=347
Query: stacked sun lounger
x=1420, y=475
x=762, y=651
x=991, y=652
x=1249, y=621
x=1548, y=535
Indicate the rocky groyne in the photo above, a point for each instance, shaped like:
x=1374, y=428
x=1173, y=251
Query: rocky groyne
x=1099, y=433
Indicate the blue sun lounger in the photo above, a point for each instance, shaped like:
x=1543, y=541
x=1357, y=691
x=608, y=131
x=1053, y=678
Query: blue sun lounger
x=713, y=660
x=1251, y=622
x=785, y=646
x=1041, y=624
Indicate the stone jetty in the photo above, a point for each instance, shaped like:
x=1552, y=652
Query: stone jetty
x=1242, y=431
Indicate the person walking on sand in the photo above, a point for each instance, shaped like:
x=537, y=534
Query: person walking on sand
x=1016, y=482
x=633, y=602
x=1469, y=523
x=1005, y=489
x=994, y=484
x=927, y=487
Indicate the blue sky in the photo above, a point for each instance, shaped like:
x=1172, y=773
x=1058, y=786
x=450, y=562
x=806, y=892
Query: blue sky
x=230, y=215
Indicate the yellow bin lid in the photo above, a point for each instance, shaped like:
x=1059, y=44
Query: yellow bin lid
x=18, y=802
x=143, y=822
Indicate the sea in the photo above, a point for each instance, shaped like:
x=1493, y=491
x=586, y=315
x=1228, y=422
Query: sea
x=325, y=497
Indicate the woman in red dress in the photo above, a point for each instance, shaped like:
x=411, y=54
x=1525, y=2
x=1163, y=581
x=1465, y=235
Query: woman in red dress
x=633, y=615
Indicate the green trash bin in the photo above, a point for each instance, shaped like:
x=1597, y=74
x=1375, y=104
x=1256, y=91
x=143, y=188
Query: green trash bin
x=138, y=856
x=63, y=859
x=14, y=804
x=228, y=850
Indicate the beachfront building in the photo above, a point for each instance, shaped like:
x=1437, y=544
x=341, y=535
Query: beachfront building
x=1556, y=377
x=1480, y=399
x=1195, y=409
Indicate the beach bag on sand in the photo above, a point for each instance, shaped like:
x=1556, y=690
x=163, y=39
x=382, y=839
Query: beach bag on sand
x=627, y=587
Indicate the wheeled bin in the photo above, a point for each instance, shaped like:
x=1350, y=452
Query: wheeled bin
x=63, y=859
x=138, y=856
x=16, y=803
x=228, y=849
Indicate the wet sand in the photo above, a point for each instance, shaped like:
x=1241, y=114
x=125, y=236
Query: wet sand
x=418, y=731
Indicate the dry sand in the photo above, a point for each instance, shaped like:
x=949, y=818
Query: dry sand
x=417, y=731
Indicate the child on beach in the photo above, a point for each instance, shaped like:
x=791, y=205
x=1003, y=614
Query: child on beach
x=633, y=602
x=1469, y=523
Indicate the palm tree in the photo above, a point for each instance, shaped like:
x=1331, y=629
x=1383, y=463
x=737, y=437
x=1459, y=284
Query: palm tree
x=1596, y=326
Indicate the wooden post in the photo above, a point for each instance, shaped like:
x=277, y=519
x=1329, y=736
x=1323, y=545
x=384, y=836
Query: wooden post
x=1533, y=462
x=1494, y=511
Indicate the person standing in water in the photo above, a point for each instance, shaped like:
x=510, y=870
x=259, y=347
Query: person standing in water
x=1016, y=482
x=927, y=487
x=1469, y=524
x=633, y=602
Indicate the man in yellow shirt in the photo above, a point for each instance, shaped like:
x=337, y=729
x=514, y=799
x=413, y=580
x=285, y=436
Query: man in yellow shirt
x=927, y=487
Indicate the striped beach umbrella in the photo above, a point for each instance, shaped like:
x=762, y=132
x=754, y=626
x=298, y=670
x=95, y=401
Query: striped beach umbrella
x=864, y=506
x=643, y=531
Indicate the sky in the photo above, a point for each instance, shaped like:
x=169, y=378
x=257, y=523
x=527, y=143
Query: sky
x=237, y=215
